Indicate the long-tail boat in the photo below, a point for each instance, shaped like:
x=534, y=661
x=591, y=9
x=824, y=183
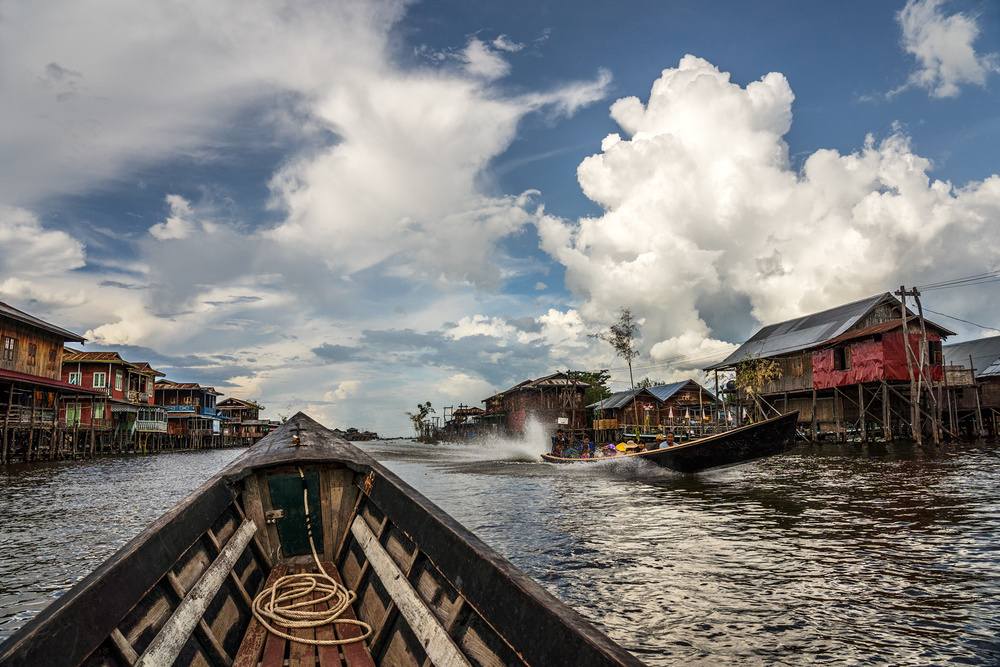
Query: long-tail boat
x=305, y=551
x=765, y=438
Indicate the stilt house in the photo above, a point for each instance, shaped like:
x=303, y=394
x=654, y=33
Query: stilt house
x=126, y=391
x=31, y=385
x=555, y=400
x=865, y=365
x=191, y=408
x=243, y=419
x=972, y=385
x=677, y=404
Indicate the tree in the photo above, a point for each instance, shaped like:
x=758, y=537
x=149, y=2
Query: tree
x=621, y=336
x=646, y=383
x=598, y=381
x=418, y=418
x=752, y=375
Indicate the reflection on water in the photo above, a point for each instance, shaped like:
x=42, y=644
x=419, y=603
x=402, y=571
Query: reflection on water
x=844, y=554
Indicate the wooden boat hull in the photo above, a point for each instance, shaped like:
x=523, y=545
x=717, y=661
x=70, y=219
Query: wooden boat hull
x=767, y=438
x=181, y=592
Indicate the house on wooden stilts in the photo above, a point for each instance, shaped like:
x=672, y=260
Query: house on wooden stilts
x=864, y=369
x=554, y=400
x=972, y=386
x=31, y=388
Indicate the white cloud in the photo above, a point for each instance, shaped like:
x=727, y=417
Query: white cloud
x=179, y=224
x=702, y=206
x=943, y=47
x=28, y=249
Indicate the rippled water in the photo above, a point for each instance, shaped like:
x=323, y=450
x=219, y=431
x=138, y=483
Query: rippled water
x=59, y=521
x=840, y=554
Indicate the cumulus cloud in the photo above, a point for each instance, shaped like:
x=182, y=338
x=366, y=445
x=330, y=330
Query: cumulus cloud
x=943, y=47
x=701, y=204
x=179, y=225
x=27, y=249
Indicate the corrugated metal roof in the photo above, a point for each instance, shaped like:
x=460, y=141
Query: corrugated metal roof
x=15, y=314
x=665, y=391
x=985, y=353
x=93, y=356
x=810, y=331
x=615, y=401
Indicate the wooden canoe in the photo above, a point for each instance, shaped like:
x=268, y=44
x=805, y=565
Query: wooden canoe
x=747, y=443
x=181, y=593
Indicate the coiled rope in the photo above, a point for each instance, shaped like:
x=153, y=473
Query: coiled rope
x=283, y=602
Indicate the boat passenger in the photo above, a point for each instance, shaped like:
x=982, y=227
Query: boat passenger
x=669, y=442
x=587, y=443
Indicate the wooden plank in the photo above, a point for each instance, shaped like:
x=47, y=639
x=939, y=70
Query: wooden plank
x=356, y=654
x=169, y=641
x=434, y=638
x=123, y=646
x=254, y=507
x=253, y=641
x=301, y=654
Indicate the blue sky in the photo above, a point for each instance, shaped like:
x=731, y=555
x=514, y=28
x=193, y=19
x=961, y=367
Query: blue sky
x=351, y=207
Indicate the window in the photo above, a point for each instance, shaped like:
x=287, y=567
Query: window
x=75, y=378
x=32, y=352
x=98, y=410
x=100, y=380
x=73, y=414
x=797, y=367
x=118, y=380
x=842, y=359
x=934, y=351
x=9, y=348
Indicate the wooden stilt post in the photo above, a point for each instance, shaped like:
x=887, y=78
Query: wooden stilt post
x=815, y=426
x=886, y=413
x=6, y=425
x=841, y=437
x=914, y=398
x=863, y=415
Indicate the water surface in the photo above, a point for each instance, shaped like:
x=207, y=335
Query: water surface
x=836, y=554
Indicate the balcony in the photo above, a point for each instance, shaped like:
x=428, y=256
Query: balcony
x=181, y=408
x=151, y=425
x=133, y=396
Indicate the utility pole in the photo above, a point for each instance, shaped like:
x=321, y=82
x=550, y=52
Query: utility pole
x=915, y=430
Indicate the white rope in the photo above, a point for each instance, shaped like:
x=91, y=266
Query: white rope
x=285, y=600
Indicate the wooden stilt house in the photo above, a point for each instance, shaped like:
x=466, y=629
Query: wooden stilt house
x=972, y=386
x=31, y=386
x=862, y=368
x=555, y=400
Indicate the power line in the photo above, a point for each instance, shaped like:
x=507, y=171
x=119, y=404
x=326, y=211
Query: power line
x=981, y=326
x=990, y=277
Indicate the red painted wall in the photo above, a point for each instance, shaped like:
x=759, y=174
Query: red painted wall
x=871, y=360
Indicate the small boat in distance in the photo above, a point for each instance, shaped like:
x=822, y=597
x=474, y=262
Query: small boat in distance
x=306, y=552
x=747, y=443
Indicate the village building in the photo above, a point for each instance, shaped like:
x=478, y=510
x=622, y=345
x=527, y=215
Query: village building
x=972, y=386
x=679, y=406
x=125, y=405
x=555, y=400
x=859, y=369
x=31, y=386
x=191, y=410
x=242, y=419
